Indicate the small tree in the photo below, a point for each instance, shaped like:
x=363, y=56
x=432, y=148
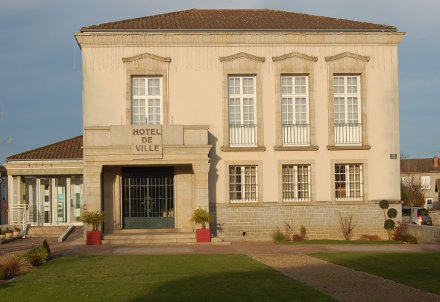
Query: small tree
x=412, y=193
x=384, y=204
x=347, y=226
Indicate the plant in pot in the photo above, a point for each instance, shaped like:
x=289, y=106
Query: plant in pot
x=202, y=217
x=15, y=231
x=2, y=234
x=8, y=233
x=93, y=220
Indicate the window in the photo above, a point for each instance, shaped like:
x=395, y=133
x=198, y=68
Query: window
x=242, y=111
x=295, y=110
x=347, y=110
x=348, y=182
x=147, y=100
x=243, y=184
x=296, y=182
x=425, y=182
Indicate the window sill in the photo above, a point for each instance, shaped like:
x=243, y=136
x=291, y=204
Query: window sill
x=350, y=202
x=348, y=147
x=296, y=148
x=243, y=149
x=244, y=204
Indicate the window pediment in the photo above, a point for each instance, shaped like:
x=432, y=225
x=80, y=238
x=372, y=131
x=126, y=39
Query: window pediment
x=242, y=55
x=294, y=54
x=146, y=56
x=347, y=55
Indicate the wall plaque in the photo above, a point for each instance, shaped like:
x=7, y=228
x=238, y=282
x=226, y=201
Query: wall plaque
x=147, y=140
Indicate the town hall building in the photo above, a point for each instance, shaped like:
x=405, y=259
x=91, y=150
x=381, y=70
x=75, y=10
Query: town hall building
x=262, y=117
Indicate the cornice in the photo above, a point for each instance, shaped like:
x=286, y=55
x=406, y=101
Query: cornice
x=146, y=56
x=294, y=54
x=242, y=55
x=347, y=55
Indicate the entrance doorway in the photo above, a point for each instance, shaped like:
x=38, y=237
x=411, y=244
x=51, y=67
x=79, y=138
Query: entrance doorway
x=148, y=198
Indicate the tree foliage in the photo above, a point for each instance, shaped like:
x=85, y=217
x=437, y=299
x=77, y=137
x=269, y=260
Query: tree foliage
x=412, y=192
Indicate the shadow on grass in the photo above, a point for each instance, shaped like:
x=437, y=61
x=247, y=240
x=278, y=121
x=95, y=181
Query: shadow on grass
x=259, y=285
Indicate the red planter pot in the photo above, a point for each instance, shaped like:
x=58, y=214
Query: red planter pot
x=93, y=237
x=203, y=235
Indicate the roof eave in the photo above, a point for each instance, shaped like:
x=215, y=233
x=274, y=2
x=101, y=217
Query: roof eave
x=83, y=30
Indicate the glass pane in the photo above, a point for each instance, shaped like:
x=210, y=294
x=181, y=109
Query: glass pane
x=248, y=111
x=76, y=198
x=339, y=110
x=45, y=201
x=352, y=84
x=338, y=84
x=154, y=111
x=234, y=111
x=61, y=202
x=287, y=111
x=300, y=85
x=300, y=111
x=248, y=85
x=154, y=86
x=286, y=85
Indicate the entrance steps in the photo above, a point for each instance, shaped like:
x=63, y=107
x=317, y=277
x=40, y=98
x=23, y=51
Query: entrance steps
x=46, y=231
x=158, y=236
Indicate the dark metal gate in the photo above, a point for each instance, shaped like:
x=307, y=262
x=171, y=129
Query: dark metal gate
x=148, y=198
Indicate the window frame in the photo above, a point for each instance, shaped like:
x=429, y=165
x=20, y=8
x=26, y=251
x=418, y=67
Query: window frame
x=147, y=98
x=347, y=183
x=243, y=183
x=295, y=184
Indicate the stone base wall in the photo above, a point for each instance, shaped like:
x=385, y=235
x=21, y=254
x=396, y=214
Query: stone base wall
x=234, y=223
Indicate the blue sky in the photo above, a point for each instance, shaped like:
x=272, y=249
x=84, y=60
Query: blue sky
x=40, y=63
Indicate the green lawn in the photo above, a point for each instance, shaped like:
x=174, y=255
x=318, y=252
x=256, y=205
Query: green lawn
x=328, y=241
x=420, y=270
x=156, y=278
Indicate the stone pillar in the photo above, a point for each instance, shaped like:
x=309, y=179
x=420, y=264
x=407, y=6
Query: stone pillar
x=92, y=187
x=201, y=196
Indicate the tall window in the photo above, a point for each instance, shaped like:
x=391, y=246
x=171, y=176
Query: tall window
x=243, y=184
x=147, y=100
x=296, y=182
x=347, y=110
x=348, y=182
x=295, y=110
x=242, y=111
x=425, y=182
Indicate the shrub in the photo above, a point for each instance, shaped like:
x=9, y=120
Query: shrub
x=46, y=246
x=12, y=265
x=384, y=204
x=4, y=274
x=400, y=231
x=347, y=226
x=278, y=236
x=37, y=255
x=389, y=225
x=289, y=230
x=367, y=237
x=303, y=232
x=392, y=213
x=202, y=217
x=93, y=218
x=16, y=229
x=297, y=237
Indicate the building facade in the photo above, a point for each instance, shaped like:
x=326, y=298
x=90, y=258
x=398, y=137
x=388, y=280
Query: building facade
x=424, y=172
x=3, y=196
x=261, y=117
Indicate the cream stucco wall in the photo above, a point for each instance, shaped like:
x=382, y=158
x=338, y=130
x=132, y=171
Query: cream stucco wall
x=195, y=94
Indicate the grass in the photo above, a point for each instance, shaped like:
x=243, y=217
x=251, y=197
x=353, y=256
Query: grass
x=328, y=241
x=420, y=270
x=156, y=278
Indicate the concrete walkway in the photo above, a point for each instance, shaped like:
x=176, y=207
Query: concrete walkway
x=339, y=282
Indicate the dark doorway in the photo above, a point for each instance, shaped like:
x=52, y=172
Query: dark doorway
x=148, y=197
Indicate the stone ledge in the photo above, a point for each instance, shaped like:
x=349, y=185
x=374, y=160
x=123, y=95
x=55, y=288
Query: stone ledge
x=343, y=148
x=296, y=148
x=243, y=149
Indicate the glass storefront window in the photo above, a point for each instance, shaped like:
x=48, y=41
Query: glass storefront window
x=76, y=198
x=61, y=199
x=45, y=201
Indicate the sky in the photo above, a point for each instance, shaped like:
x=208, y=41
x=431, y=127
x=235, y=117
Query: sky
x=40, y=62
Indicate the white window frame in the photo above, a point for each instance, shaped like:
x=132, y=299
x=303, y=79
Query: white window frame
x=245, y=140
x=425, y=182
x=303, y=130
x=244, y=199
x=346, y=95
x=147, y=97
x=293, y=182
x=348, y=183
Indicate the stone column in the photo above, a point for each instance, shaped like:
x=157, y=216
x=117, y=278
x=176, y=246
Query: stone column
x=92, y=187
x=201, y=196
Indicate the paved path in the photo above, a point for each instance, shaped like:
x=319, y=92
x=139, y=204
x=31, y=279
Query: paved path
x=340, y=282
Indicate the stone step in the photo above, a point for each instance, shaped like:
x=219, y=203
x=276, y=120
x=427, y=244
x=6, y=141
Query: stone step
x=152, y=236
x=148, y=241
x=46, y=231
x=150, y=231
